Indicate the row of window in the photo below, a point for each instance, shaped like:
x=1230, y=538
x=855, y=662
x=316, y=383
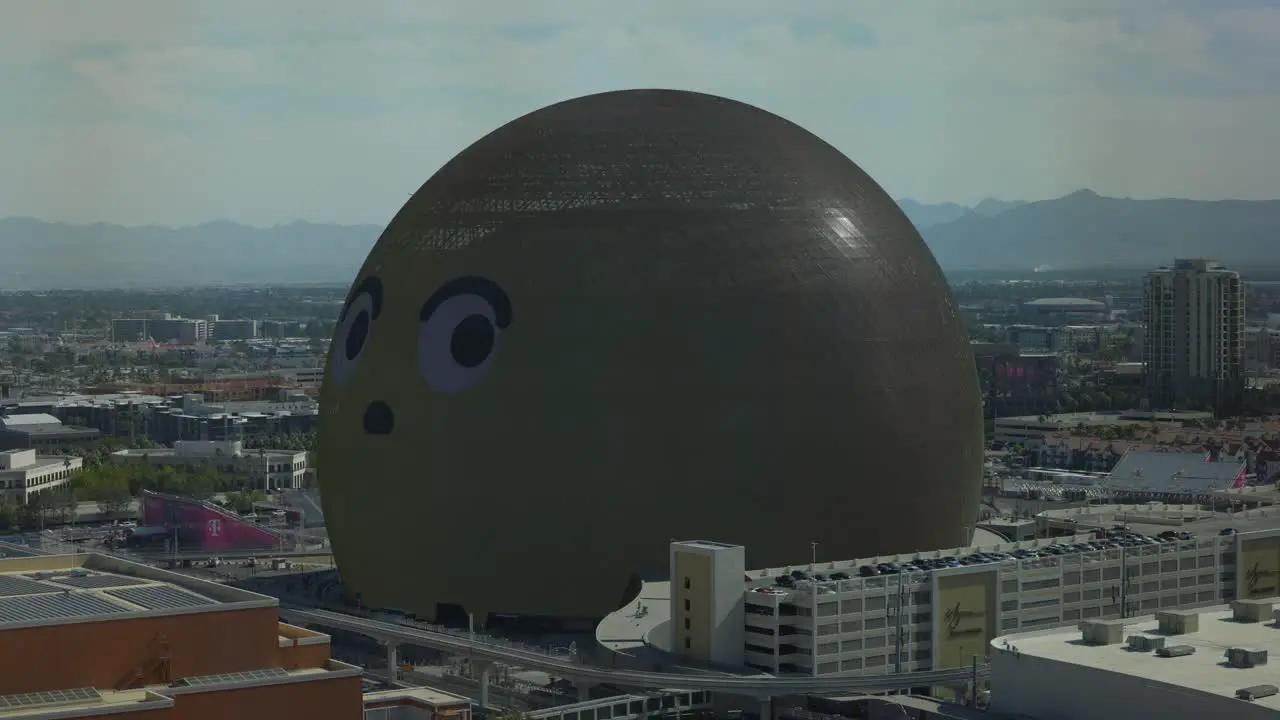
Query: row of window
x=910, y=645
x=922, y=655
x=639, y=707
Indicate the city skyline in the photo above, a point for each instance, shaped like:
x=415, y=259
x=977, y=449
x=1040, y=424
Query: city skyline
x=154, y=113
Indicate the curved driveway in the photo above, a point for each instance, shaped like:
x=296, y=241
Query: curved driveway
x=761, y=686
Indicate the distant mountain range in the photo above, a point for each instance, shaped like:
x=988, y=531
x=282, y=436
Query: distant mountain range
x=1080, y=230
x=35, y=254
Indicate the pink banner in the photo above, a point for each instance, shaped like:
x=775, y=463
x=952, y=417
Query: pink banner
x=212, y=528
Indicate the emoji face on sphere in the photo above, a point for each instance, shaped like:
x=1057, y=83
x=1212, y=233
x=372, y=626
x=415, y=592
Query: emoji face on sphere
x=529, y=394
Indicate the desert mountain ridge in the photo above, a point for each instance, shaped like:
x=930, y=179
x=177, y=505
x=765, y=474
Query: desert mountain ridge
x=1079, y=230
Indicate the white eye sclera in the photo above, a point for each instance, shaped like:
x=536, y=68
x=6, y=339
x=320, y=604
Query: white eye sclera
x=460, y=331
x=355, y=329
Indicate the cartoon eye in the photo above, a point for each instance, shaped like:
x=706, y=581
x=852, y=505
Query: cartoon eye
x=461, y=326
x=354, y=327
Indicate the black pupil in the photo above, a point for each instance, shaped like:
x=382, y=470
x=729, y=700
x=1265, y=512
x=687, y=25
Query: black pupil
x=358, y=333
x=472, y=341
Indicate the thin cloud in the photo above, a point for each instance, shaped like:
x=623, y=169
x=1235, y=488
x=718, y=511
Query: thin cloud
x=268, y=112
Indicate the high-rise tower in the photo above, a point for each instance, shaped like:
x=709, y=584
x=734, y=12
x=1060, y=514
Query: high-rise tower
x=1194, y=346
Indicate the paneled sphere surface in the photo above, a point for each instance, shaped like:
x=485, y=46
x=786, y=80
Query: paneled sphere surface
x=632, y=317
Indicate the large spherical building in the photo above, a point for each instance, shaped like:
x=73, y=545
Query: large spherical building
x=633, y=317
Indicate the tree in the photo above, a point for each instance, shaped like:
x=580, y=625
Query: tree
x=63, y=501
x=242, y=502
x=108, y=486
x=28, y=515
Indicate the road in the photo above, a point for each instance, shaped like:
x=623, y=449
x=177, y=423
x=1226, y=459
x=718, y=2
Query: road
x=759, y=686
x=1215, y=524
x=306, y=501
x=315, y=557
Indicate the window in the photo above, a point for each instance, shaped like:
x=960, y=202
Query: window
x=686, y=583
x=686, y=623
x=687, y=644
x=686, y=605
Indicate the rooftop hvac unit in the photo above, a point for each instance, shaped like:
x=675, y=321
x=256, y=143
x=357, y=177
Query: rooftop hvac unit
x=1102, y=632
x=1178, y=622
x=1257, y=692
x=1145, y=643
x=1245, y=657
x=1172, y=651
x=1251, y=611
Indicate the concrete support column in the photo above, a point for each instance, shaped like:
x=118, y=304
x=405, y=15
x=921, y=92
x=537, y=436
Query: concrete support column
x=766, y=708
x=584, y=690
x=393, y=660
x=482, y=672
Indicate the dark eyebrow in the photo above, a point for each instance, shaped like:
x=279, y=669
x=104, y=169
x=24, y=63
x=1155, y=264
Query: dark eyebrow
x=471, y=285
x=371, y=285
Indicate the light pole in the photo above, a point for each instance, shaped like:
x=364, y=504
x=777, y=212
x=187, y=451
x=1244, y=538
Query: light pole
x=471, y=648
x=813, y=546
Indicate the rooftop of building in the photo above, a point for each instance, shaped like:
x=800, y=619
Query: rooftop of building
x=1163, y=472
x=708, y=545
x=1082, y=303
x=164, y=452
x=87, y=587
x=1205, y=670
x=23, y=422
x=47, y=461
x=95, y=702
x=424, y=697
x=1197, y=531
x=1105, y=418
x=1154, y=518
x=109, y=400
x=636, y=629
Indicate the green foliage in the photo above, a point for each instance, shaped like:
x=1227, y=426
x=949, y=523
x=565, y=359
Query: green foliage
x=289, y=441
x=242, y=502
x=99, y=453
x=112, y=485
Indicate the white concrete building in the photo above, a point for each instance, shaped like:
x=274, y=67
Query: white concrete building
x=1194, y=347
x=1170, y=665
x=707, y=608
x=261, y=469
x=23, y=474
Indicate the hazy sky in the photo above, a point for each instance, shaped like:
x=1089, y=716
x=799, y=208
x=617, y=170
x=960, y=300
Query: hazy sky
x=267, y=111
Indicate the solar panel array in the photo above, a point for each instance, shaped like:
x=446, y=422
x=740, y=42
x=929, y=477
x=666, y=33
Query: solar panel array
x=160, y=597
x=246, y=676
x=89, y=582
x=11, y=585
x=53, y=697
x=55, y=605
